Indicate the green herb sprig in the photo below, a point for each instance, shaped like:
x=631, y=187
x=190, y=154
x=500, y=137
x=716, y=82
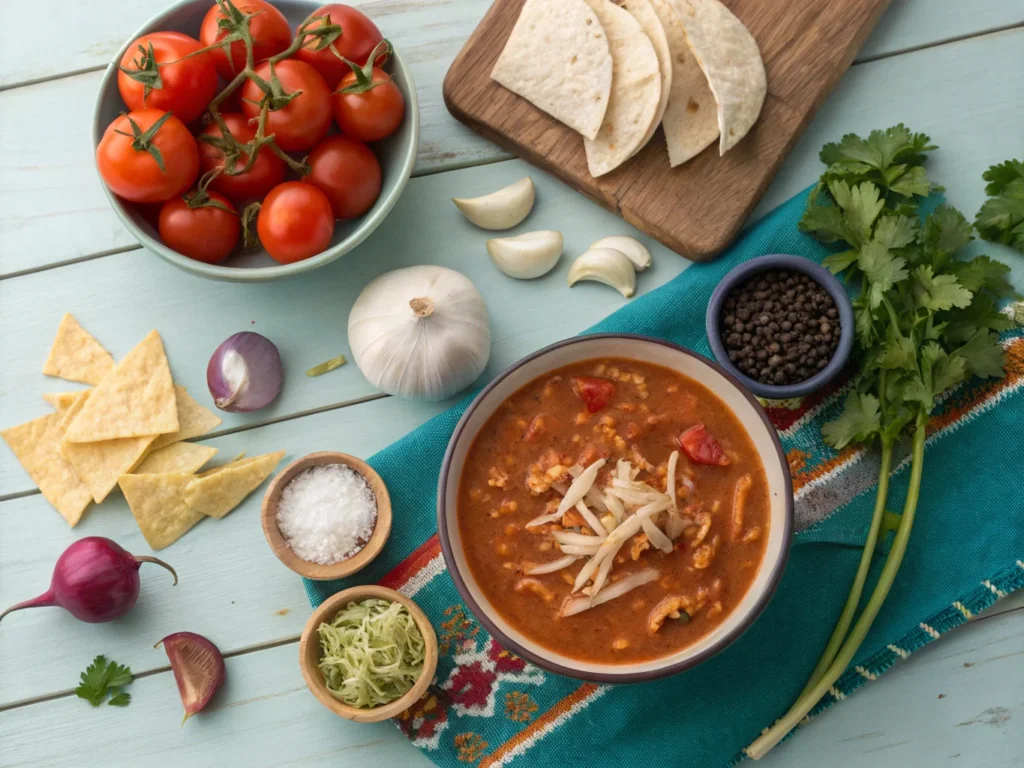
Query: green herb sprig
x=1001, y=218
x=103, y=677
x=925, y=321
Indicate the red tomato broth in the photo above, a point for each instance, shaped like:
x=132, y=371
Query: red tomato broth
x=502, y=487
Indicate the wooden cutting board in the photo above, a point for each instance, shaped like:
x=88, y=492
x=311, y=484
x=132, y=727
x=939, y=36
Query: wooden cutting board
x=697, y=208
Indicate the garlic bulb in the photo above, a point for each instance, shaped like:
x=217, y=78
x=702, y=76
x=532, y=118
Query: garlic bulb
x=526, y=256
x=420, y=332
x=605, y=265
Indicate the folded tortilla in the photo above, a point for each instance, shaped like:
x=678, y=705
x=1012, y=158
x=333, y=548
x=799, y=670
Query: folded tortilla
x=636, y=90
x=643, y=11
x=731, y=61
x=690, y=121
x=558, y=58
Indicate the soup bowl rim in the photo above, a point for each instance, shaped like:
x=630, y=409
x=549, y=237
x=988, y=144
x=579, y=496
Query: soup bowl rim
x=625, y=676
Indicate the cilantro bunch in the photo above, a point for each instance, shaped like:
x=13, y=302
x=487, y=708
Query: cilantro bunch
x=925, y=320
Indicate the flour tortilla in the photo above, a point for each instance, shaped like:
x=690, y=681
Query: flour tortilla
x=731, y=61
x=636, y=90
x=558, y=58
x=690, y=121
x=643, y=11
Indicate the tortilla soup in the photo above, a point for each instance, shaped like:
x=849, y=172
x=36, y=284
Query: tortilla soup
x=614, y=511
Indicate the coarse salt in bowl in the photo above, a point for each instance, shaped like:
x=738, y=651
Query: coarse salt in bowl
x=327, y=515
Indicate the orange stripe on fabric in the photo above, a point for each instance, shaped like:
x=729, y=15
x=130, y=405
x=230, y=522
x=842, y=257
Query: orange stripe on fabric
x=560, y=708
x=399, y=575
x=1014, y=371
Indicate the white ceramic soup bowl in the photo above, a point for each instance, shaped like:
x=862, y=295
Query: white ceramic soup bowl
x=642, y=349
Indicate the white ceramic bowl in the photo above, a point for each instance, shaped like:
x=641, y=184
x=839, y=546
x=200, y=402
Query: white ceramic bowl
x=648, y=350
x=396, y=153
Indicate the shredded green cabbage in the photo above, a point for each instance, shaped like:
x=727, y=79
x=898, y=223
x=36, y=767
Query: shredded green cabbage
x=372, y=653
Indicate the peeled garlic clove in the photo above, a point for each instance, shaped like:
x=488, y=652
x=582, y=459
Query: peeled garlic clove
x=608, y=266
x=633, y=248
x=499, y=210
x=526, y=256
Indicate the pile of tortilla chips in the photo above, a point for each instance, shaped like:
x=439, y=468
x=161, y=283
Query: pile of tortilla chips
x=129, y=430
x=615, y=71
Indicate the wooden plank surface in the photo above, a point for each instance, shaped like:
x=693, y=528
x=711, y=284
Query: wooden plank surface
x=52, y=209
x=697, y=208
x=264, y=716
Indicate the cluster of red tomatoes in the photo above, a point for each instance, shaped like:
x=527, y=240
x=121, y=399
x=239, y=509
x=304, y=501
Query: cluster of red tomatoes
x=171, y=147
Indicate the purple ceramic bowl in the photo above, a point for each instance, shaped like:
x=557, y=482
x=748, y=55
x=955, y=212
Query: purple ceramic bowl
x=787, y=263
x=642, y=349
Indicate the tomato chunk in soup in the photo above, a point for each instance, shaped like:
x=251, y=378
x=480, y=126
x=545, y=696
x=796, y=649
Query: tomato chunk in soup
x=640, y=567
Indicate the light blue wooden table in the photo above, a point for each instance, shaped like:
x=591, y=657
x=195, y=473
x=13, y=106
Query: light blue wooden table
x=950, y=68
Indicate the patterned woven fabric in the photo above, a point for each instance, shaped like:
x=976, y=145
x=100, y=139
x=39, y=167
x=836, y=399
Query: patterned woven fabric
x=487, y=707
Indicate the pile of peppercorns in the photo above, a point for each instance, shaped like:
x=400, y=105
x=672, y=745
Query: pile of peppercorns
x=780, y=327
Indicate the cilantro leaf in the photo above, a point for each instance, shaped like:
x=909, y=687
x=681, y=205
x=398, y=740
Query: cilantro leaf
x=825, y=223
x=913, y=182
x=983, y=354
x=945, y=232
x=837, y=262
x=895, y=231
x=1000, y=176
x=982, y=313
x=898, y=352
x=861, y=205
x=859, y=420
x=938, y=292
x=882, y=269
x=949, y=371
x=99, y=677
x=1001, y=219
x=981, y=272
x=120, y=699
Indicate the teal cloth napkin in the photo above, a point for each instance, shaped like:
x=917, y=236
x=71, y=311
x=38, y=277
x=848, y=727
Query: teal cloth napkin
x=489, y=708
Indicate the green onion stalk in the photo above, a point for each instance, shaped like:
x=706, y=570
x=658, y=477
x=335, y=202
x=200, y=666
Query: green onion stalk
x=810, y=697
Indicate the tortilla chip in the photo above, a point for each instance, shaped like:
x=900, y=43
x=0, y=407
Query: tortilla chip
x=182, y=458
x=136, y=399
x=644, y=12
x=76, y=355
x=193, y=419
x=636, y=90
x=237, y=461
x=731, y=61
x=558, y=59
x=62, y=401
x=100, y=464
x=158, y=506
x=36, y=445
x=221, y=492
x=690, y=121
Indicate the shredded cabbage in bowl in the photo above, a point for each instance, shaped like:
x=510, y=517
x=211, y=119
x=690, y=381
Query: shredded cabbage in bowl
x=372, y=653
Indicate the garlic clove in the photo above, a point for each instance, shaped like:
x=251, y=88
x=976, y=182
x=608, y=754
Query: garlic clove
x=635, y=250
x=526, y=256
x=499, y=210
x=608, y=266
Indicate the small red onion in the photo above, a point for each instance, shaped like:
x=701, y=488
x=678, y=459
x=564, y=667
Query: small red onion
x=95, y=580
x=245, y=373
x=198, y=669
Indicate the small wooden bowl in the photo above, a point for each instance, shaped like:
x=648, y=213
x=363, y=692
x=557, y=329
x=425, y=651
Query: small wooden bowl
x=360, y=559
x=309, y=654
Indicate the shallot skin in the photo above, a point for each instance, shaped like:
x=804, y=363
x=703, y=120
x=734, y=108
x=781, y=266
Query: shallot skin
x=95, y=580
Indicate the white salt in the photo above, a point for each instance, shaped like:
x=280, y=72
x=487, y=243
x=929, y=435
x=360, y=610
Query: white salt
x=327, y=513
